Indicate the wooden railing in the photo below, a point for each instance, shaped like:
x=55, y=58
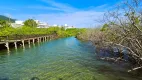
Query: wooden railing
x=20, y=37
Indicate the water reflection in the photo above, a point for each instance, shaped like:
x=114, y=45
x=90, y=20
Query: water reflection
x=62, y=59
x=8, y=52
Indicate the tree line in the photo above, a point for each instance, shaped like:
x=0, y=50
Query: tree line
x=30, y=28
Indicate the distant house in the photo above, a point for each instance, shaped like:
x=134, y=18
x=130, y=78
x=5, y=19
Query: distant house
x=68, y=27
x=42, y=24
x=17, y=24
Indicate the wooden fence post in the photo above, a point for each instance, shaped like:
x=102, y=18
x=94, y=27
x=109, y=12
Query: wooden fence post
x=7, y=46
x=15, y=43
x=23, y=44
x=29, y=43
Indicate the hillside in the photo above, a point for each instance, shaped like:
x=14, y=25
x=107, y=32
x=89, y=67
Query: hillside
x=2, y=17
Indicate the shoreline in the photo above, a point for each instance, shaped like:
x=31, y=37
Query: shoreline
x=106, y=54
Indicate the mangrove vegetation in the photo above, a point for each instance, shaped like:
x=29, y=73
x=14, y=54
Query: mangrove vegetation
x=121, y=33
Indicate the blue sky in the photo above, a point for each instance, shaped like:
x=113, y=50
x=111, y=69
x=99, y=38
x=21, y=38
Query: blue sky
x=79, y=13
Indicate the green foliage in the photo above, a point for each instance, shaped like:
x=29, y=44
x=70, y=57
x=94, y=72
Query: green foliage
x=25, y=30
x=137, y=21
x=69, y=32
x=4, y=24
x=105, y=27
x=63, y=28
x=7, y=31
x=30, y=23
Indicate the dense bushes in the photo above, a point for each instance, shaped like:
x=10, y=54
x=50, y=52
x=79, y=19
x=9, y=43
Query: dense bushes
x=7, y=31
x=30, y=28
x=4, y=24
x=69, y=32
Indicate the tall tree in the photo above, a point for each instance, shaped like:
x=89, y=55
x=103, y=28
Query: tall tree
x=30, y=23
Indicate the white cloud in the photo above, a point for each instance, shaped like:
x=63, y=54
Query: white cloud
x=43, y=7
x=61, y=6
x=77, y=19
x=68, y=15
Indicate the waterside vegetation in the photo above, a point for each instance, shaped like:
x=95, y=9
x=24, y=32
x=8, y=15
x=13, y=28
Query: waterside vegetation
x=121, y=33
x=29, y=28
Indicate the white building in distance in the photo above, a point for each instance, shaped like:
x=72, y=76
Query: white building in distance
x=42, y=24
x=65, y=26
x=19, y=23
x=68, y=27
x=55, y=25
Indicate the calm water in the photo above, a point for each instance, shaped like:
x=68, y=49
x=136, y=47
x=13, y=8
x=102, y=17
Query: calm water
x=62, y=59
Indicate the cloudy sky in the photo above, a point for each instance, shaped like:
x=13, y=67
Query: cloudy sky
x=79, y=13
